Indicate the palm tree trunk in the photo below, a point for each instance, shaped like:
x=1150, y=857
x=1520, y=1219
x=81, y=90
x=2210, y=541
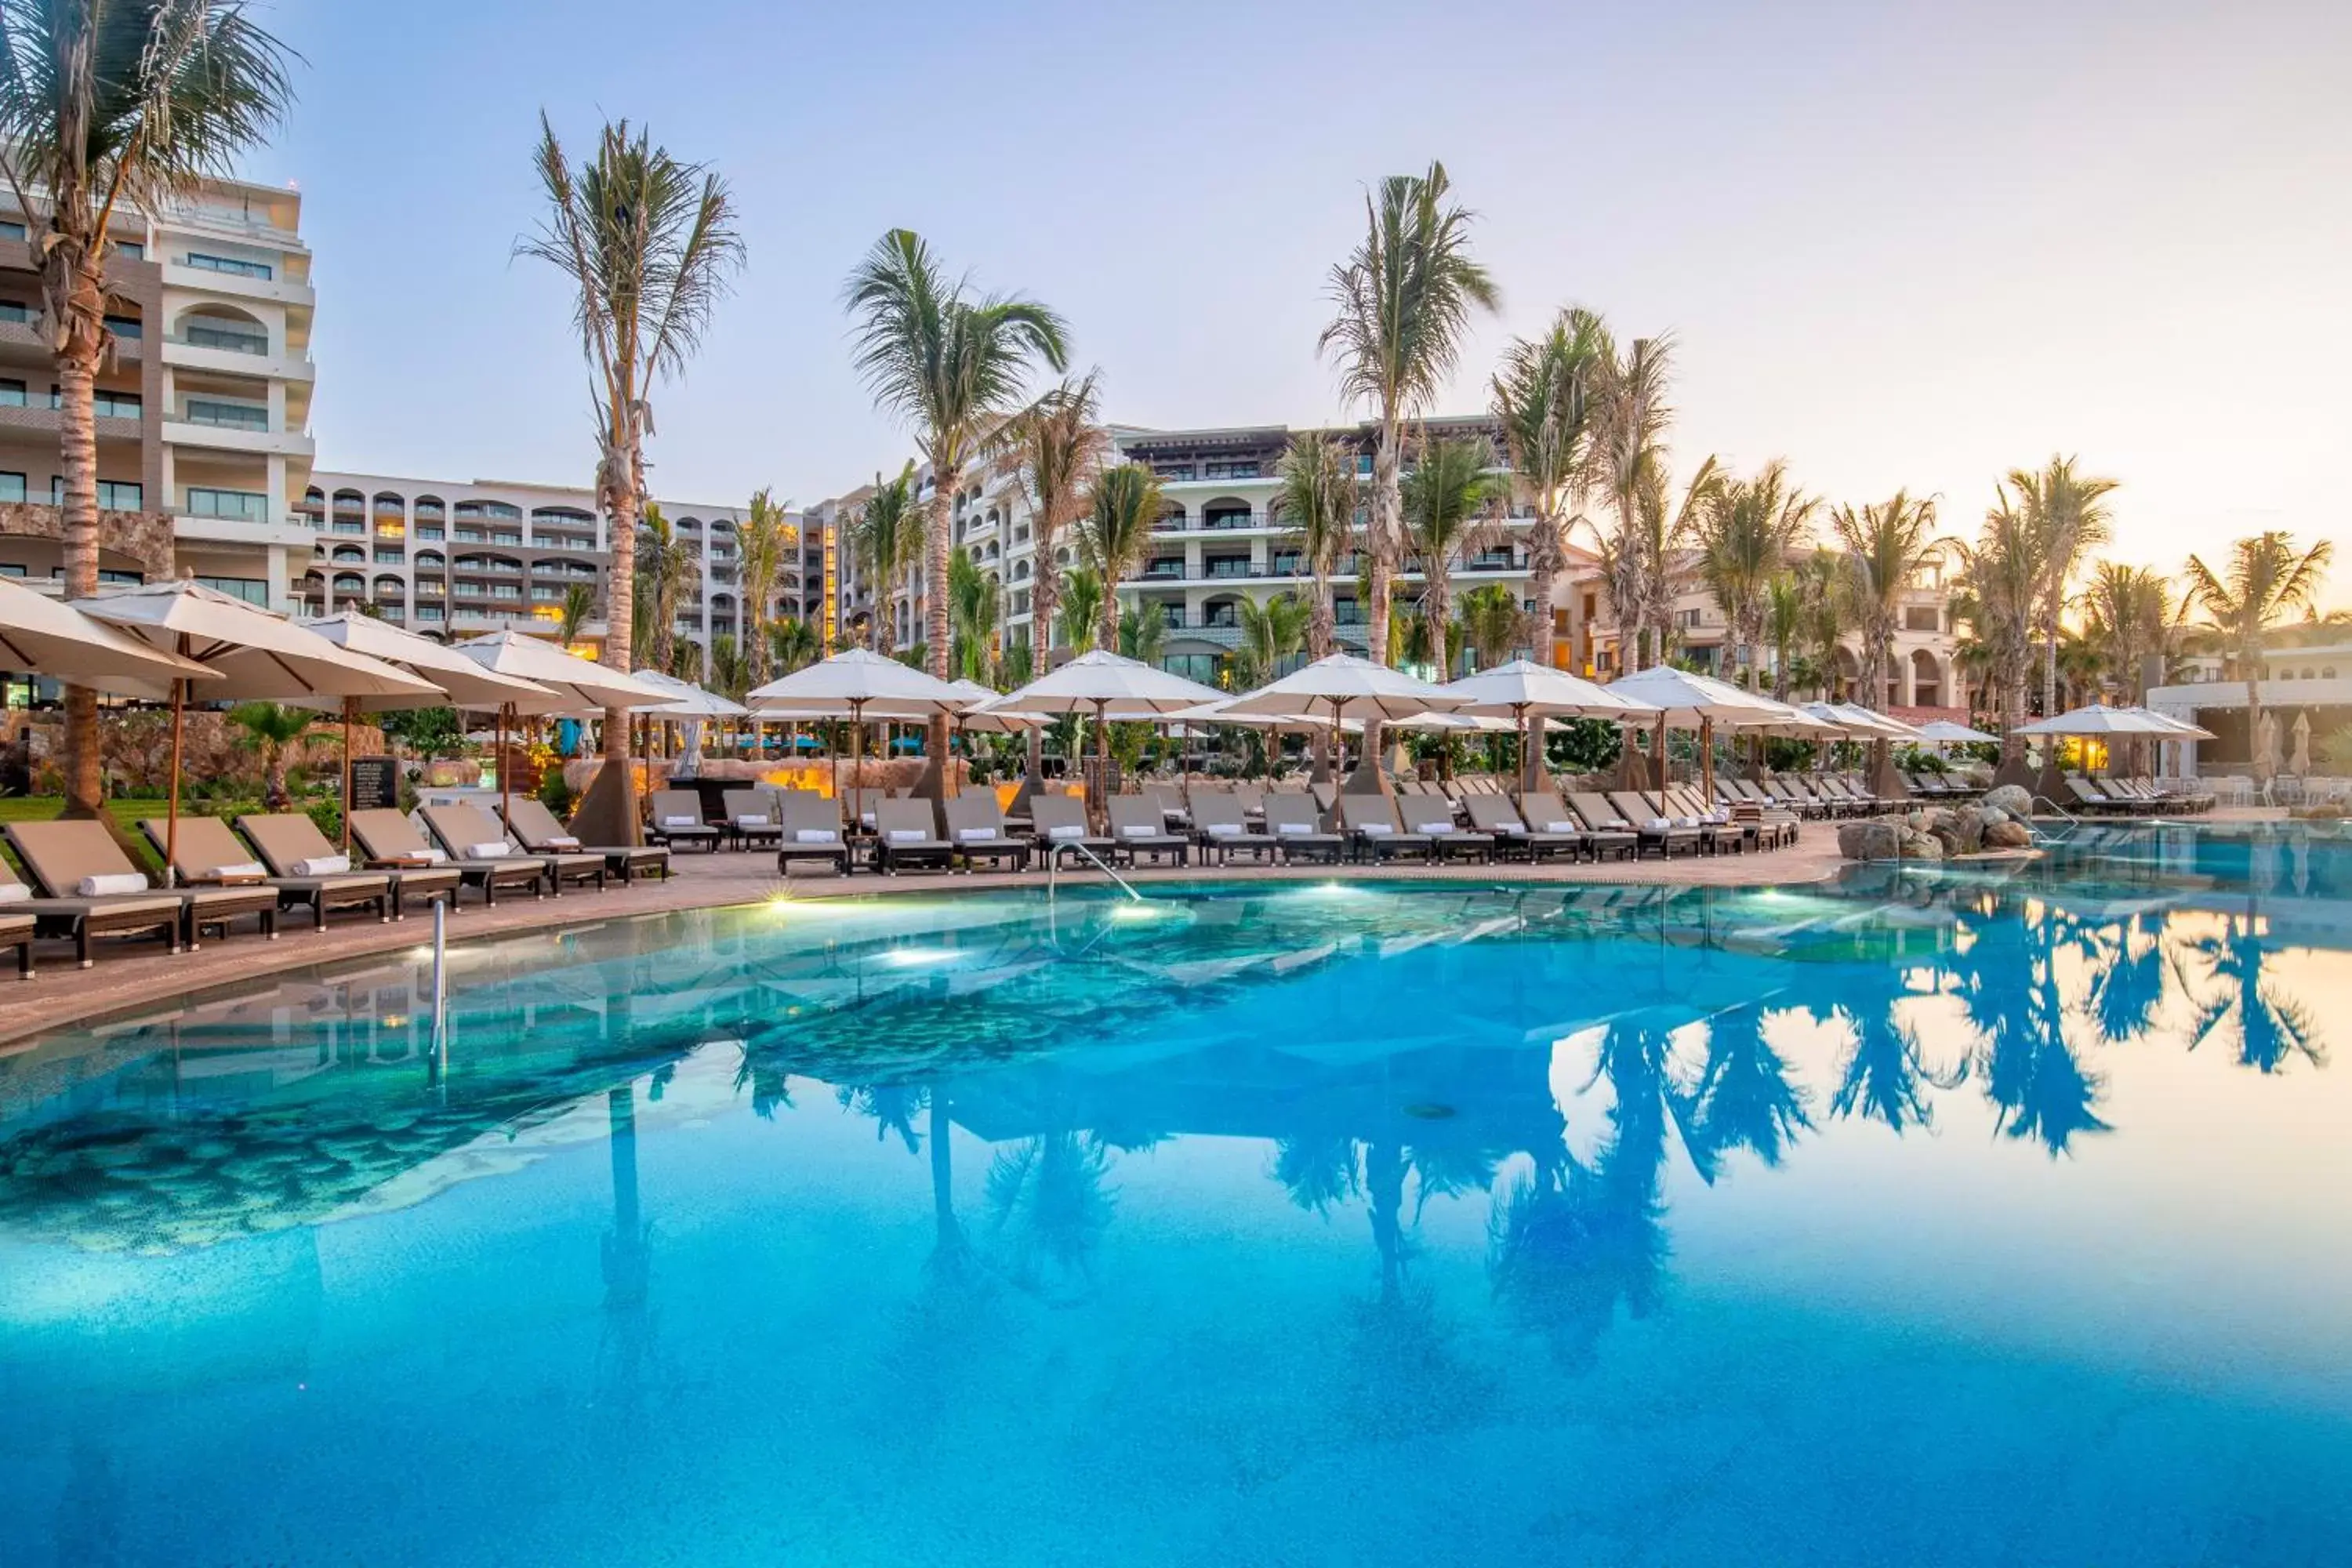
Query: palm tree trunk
x=1436, y=604
x=2050, y=666
x=1388, y=504
x=1042, y=594
x=607, y=813
x=77, y=456
x=936, y=547
x=2251, y=656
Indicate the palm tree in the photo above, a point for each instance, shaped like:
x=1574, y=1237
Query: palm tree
x=1491, y=623
x=1449, y=514
x=1272, y=630
x=1142, y=634
x=1643, y=565
x=109, y=105
x=952, y=367
x=2068, y=516
x=664, y=567
x=2264, y=581
x=273, y=731
x=2128, y=616
x=1745, y=533
x=1317, y=497
x=731, y=668
x=1124, y=503
x=761, y=542
x=1629, y=461
x=1542, y=397
x=1082, y=608
x=972, y=612
x=1783, y=623
x=888, y=538
x=2001, y=590
x=1403, y=301
x=1058, y=444
x=1886, y=544
x=579, y=603
x=793, y=644
x=649, y=244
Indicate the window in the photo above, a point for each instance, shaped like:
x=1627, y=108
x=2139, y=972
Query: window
x=1922, y=618
x=252, y=590
x=15, y=311
x=243, y=506
x=11, y=228
x=235, y=336
x=105, y=404
x=126, y=326
x=233, y=265
x=12, y=487
x=391, y=557
x=113, y=495
x=12, y=393
x=228, y=415
x=1230, y=471
x=428, y=612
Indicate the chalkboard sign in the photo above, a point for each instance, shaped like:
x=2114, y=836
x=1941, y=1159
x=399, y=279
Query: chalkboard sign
x=376, y=784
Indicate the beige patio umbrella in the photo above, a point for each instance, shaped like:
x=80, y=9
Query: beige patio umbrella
x=466, y=683
x=42, y=635
x=259, y=655
x=848, y=685
x=580, y=683
x=1109, y=686
x=1527, y=693
x=1686, y=700
x=1347, y=687
x=2299, y=763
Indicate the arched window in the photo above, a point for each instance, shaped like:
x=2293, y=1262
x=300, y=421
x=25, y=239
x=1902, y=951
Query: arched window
x=350, y=583
x=391, y=588
x=350, y=552
x=430, y=559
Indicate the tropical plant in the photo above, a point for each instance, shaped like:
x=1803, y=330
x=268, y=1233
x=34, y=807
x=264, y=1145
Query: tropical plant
x=1058, y=445
x=429, y=732
x=1745, y=533
x=1449, y=514
x=1783, y=623
x=1272, y=630
x=2128, y=616
x=1317, y=497
x=649, y=244
x=1999, y=594
x=731, y=668
x=2264, y=581
x=110, y=106
x=1082, y=609
x=1491, y=623
x=1886, y=544
x=952, y=367
x=793, y=644
x=973, y=611
x=886, y=539
x=1142, y=634
x=1628, y=464
x=1543, y=399
x=1123, y=503
x=1402, y=302
x=273, y=731
x=2068, y=516
x=762, y=541
x=579, y=603
x=665, y=566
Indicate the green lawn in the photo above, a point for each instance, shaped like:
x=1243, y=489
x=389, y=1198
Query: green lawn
x=126, y=814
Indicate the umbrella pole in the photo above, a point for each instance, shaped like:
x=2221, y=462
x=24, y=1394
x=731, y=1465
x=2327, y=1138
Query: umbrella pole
x=506, y=779
x=1185, y=766
x=351, y=712
x=1102, y=758
x=1658, y=749
x=172, y=816
x=1706, y=761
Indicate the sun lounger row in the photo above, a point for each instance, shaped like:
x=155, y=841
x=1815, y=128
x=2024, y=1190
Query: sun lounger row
x=2133, y=797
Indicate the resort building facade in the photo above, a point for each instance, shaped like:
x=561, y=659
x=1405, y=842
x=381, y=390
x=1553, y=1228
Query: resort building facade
x=202, y=414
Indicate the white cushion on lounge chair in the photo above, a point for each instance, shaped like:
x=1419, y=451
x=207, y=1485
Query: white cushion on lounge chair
x=251, y=870
x=1066, y=830
x=562, y=841
x=1559, y=828
x=1377, y=830
x=14, y=893
x=108, y=884
x=1510, y=825
x=489, y=849
x=1132, y=831
x=1687, y=822
x=753, y=819
x=316, y=866
x=1225, y=830
x=976, y=835
x=1659, y=825
x=1445, y=826
x=681, y=822
x=816, y=836
x=908, y=835
x=1294, y=827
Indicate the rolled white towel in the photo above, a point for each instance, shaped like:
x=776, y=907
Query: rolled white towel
x=1559, y=828
x=322, y=865
x=248, y=871
x=753, y=819
x=976, y=835
x=681, y=822
x=492, y=849
x=816, y=836
x=1377, y=830
x=1132, y=831
x=908, y=835
x=563, y=842
x=110, y=884
x=1065, y=831
x=1225, y=830
x=14, y=893
x=1433, y=828
x=1292, y=828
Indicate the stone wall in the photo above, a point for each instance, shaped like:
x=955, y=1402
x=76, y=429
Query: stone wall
x=145, y=537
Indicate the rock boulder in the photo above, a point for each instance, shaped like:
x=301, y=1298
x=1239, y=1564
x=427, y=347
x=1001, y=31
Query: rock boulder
x=1871, y=840
x=2007, y=836
x=2011, y=800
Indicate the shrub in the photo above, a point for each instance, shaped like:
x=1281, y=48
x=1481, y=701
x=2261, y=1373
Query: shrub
x=554, y=794
x=328, y=812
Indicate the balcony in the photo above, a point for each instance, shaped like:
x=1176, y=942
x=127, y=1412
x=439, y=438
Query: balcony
x=186, y=431
x=178, y=274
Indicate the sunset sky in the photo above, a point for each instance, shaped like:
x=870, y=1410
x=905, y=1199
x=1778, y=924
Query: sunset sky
x=1899, y=245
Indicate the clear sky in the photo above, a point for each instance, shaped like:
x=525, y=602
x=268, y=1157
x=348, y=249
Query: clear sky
x=1899, y=244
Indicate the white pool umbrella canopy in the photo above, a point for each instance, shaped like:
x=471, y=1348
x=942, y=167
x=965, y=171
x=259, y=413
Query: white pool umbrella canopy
x=464, y=682
x=1108, y=685
x=689, y=700
x=42, y=635
x=579, y=682
x=259, y=655
x=1525, y=687
x=1347, y=687
x=977, y=715
x=1682, y=698
x=2097, y=720
x=1944, y=733
x=1865, y=723
x=2179, y=728
x=851, y=680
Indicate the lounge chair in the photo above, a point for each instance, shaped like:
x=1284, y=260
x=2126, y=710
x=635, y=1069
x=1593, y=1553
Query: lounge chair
x=62, y=856
x=905, y=836
x=859, y=805
x=535, y=829
x=1326, y=792
x=209, y=854
x=1170, y=804
x=1139, y=827
x=1495, y=816
x=750, y=817
x=2092, y=798
x=812, y=831
x=1291, y=822
x=1431, y=815
x=288, y=839
x=388, y=839
x=1717, y=834
x=470, y=831
x=1602, y=817
x=80, y=919
x=1251, y=798
x=1545, y=810
x=676, y=820
x=1060, y=823
x=1221, y=831
x=1374, y=831
x=976, y=828
x=1650, y=821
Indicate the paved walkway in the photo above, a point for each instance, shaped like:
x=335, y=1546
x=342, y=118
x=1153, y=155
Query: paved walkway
x=136, y=974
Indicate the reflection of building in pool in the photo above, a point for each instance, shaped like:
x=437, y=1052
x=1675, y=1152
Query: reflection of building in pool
x=2312, y=684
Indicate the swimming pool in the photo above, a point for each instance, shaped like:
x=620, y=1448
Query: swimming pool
x=1983, y=1216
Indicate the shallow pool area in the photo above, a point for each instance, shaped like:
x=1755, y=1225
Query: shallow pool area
x=1979, y=1215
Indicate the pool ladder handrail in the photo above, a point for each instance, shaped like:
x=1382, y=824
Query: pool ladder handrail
x=2072, y=822
x=1054, y=860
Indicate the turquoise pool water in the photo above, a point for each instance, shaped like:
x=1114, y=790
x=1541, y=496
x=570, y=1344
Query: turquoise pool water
x=1973, y=1218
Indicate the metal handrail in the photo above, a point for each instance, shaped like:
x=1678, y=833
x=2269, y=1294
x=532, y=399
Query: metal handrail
x=1053, y=864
